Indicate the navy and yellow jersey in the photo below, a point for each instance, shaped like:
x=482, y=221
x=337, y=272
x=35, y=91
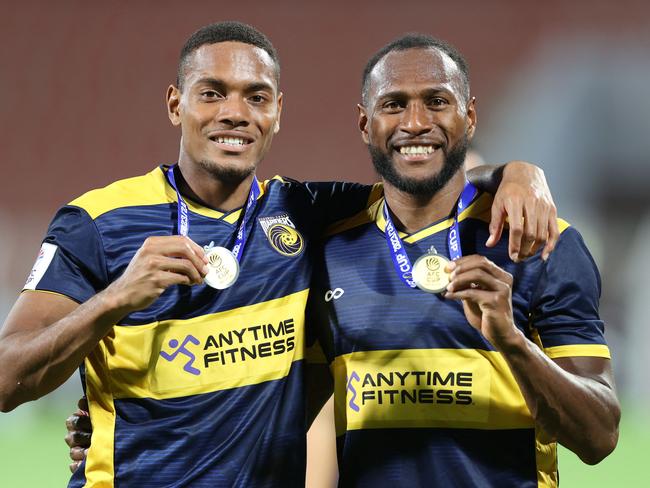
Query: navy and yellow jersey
x=204, y=387
x=421, y=397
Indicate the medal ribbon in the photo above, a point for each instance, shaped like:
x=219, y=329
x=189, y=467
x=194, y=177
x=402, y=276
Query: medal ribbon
x=184, y=221
x=401, y=260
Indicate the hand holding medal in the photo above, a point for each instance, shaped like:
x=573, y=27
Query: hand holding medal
x=429, y=272
x=223, y=264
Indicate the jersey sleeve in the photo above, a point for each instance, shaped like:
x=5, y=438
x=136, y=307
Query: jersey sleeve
x=71, y=259
x=564, y=306
x=337, y=200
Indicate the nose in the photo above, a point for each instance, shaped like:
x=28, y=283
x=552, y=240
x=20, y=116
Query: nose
x=416, y=119
x=234, y=112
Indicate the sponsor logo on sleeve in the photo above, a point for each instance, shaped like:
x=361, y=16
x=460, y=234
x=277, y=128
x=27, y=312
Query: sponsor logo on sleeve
x=43, y=261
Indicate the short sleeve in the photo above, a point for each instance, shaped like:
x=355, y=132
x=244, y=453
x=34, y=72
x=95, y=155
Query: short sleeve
x=71, y=259
x=336, y=200
x=564, y=305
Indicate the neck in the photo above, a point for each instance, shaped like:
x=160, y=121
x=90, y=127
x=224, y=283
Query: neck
x=411, y=213
x=204, y=188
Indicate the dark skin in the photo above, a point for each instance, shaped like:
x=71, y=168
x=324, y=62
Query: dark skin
x=416, y=97
x=572, y=399
x=229, y=92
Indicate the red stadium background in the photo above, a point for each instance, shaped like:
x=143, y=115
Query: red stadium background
x=84, y=85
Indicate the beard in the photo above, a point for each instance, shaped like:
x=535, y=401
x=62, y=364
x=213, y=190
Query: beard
x=230, y=175
x=421, y=187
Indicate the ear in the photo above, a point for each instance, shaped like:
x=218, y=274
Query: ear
x=363, y=123
x=173, y=104
x=276, y=129
x=471, y=118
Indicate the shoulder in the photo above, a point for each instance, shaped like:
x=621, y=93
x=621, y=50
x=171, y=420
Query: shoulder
x=148, y=189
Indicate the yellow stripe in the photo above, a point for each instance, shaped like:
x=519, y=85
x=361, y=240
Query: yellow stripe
x=376, y=192
x=99, y=470
x=28, y=290
x=495, y=399
x=479, y=209
x=578, y=350
x=138, y=370
x=562, y=225
x=546, y=460
x=149, y=189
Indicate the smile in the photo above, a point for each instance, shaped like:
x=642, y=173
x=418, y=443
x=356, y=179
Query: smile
x=231, y=141
x=416, y=150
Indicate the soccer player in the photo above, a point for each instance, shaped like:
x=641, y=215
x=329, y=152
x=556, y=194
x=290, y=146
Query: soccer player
x=452, y=364
x=181, y=293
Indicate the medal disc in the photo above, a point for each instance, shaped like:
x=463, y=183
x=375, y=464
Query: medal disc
x=223, y=268
x=429, y=273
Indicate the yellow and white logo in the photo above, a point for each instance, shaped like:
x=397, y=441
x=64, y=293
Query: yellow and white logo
x=282, y=235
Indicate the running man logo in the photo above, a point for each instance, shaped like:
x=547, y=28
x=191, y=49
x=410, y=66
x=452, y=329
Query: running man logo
x=354, y=376
x=189, y=365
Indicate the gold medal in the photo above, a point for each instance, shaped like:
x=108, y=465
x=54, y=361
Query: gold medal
x=429, y=273
x=223, y=268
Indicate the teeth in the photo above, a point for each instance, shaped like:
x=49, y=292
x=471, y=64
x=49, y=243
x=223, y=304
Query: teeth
x=416, y=149
x=233, y=141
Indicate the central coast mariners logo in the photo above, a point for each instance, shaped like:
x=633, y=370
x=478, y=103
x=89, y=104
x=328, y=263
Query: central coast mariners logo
x=282, y=235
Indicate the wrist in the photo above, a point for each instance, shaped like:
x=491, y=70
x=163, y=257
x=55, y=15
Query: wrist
x=113, y=305
x=519, y=171
x=512, y=342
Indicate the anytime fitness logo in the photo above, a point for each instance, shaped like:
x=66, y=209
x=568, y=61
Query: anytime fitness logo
x=189, y=365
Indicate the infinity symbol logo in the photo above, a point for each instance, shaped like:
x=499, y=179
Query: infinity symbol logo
x=334, y=294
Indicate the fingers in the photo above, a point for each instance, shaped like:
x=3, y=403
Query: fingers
x=78, y=421
x=183, y=267
x=515, y=222
x=74, y=466
x=83, y=405
x=477, y=272
x=177, y=247
x=497, y=222
x=529, y=237
x=78, y=453
x=78, y=439
x=477, y=278
x=553, y=233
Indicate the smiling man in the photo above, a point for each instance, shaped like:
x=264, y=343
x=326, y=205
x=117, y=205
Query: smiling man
x=181, y=293
x=453, y=365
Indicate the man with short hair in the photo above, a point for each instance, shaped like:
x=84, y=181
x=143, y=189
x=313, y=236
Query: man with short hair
x=453, y=365
x=181, y=293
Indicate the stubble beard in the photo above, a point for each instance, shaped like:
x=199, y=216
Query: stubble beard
x=230, y=175
x=421, y=187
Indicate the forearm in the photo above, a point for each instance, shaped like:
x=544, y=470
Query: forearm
x=582, y=413
x=486, y=177
x=36, y=361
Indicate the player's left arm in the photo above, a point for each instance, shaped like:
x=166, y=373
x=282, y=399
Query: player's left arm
x=573, y=399
x=522, y=195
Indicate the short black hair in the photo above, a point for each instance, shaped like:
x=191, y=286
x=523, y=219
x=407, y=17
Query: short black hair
x=415, y=41
x=224, y=32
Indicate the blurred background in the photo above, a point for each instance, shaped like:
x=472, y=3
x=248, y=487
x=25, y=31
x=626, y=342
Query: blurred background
x=562, y=84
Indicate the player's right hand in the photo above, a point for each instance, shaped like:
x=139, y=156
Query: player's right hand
x=161, y=262
x=79, y=434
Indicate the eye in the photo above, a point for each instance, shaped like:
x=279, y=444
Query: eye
x=438, y=102
x=257, y=98
x=392, y=106
x=210, y=95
